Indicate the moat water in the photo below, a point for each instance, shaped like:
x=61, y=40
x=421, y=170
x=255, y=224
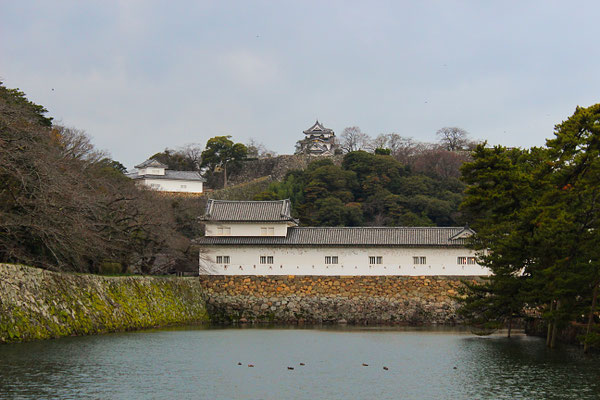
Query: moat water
x=202, y=363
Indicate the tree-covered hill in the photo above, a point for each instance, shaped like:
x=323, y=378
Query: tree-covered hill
x=369, y=189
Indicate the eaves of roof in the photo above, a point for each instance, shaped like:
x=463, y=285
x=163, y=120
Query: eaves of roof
x=169, y=175
x=348, y=237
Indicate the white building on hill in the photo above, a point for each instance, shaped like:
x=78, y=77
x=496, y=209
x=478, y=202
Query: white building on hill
x=262, y=238
x=155, y=175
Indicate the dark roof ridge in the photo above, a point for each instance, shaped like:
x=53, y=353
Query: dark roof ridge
x=151, y=162
x=170, y=175
x=351, y=236
x=320, y=126
x=248, y=210
x=247, y=201
x=378, y=227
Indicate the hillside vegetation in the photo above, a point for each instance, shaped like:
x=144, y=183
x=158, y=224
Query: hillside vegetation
x=66, y=206
x=369, y=189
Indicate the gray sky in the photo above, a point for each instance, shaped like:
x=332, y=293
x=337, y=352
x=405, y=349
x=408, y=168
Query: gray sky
x=140, y=76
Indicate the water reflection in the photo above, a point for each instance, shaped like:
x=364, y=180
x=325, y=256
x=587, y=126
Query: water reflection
x=203, y=363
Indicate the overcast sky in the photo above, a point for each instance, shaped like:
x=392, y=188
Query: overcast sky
x=140, y=76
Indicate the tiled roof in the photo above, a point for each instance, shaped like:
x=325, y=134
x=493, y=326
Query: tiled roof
x=365, y=236
x=317, y=128
x=151, y=163
x=255, y=211
x=174, y=175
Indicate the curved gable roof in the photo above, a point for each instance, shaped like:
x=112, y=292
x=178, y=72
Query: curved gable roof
x=317, y=128
x=151, y=163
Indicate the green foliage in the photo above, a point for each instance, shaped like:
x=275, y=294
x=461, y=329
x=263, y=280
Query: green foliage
x=16, y=100
x=537, y=211
x=115, y=165
x=223, y=153
x=367, y=189
x=184, y=159
x=383, y=152
x=220, y=150
x=502, y=189
x=110, y=268
x=292, y=187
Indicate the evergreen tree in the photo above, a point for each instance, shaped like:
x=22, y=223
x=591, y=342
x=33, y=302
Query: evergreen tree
x=222, y=153
x=569, y=218
x=497, y=201
x=537, y=213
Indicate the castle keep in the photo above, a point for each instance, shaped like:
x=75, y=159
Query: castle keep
x=318, y=141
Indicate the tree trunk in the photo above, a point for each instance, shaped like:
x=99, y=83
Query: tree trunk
x=509, y=326
x=586, y=346
x=224, y=175
x=555, y=326
x=549, y=332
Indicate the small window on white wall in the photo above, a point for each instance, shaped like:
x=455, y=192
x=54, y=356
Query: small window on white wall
x=222, y=259
x=461, y=260
x=471, y=260
x=266, y=259
x=419, y=260
x=375, y=260
x=267, y=231
x=183, y=186
x=223, y=231
x=331, y=259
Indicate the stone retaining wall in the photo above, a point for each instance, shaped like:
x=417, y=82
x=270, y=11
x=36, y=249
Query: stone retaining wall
x=316, y=299
x=39, y=304
x=276, y=166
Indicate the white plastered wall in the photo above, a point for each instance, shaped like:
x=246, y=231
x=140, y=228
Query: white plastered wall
x=151, y=171
x=245, y=260
x=246, y=228
x=172, y=185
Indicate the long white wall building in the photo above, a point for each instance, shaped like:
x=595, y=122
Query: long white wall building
x=262, y=238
